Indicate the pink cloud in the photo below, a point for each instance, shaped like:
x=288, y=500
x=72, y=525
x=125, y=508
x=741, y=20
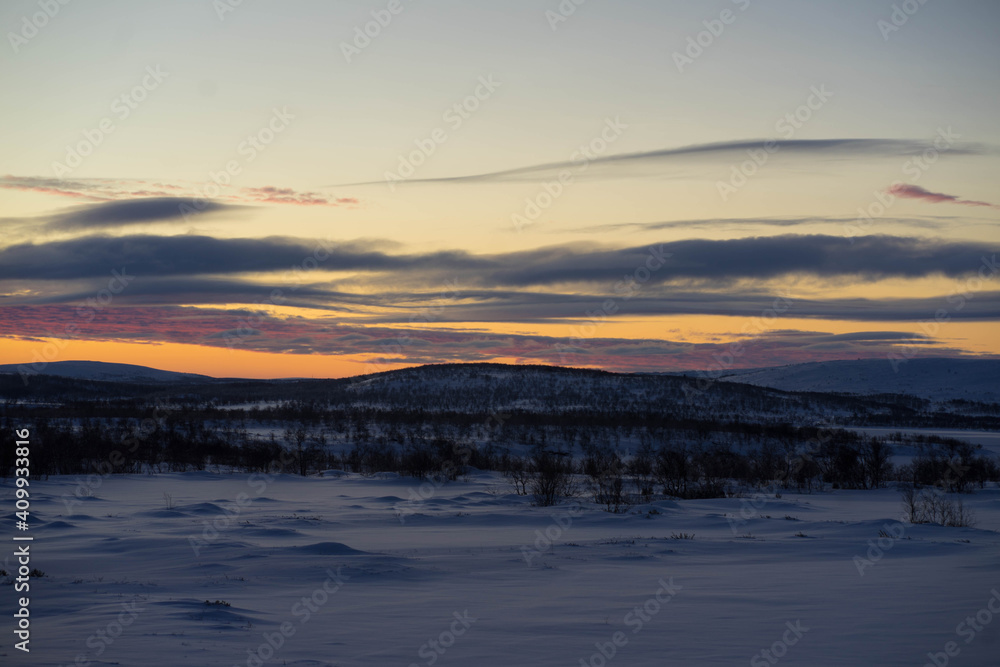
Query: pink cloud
x=98, y=189
x=54, y=186
x=278, y=334
x=272, y=195
x=906, y=191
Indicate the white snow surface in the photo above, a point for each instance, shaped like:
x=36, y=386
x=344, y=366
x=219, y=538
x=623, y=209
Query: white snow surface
x=463, y=550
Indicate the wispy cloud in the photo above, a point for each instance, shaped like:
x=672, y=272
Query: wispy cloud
x=925, y=222
x=654, y=161
x=105, y=189
x=272, y=195
x=95, y=189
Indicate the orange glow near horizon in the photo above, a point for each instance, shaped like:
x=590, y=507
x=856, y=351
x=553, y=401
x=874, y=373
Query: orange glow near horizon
x=972, y=337
x=203, y=360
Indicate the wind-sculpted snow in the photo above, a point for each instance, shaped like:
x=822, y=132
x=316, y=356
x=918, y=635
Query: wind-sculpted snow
x=320, y=571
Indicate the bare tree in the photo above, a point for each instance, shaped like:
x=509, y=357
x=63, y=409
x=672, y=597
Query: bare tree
x=875, y=461
x=518, y=474
x=298, y=435
x=551, y=477
x=932, y=506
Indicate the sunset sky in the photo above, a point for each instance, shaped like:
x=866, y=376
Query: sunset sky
x=264, y=190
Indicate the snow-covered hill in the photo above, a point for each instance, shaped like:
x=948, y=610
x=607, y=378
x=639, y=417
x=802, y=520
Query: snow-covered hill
x=940, y=379
x=99, y=370
x=528, y=387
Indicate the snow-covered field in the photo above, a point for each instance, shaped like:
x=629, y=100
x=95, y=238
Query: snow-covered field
x=343, y=570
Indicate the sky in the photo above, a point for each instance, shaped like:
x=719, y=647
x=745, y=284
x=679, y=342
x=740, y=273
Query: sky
x=323, y=189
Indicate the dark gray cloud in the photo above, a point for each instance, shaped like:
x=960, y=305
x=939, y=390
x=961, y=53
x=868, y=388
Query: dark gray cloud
x=504, y=305
x=926, y=222
x=548, y=308
x=117, y=214
x=728, y=150
x=746, y=258
x=97, y=256
x=132, y=212
x=714, y=261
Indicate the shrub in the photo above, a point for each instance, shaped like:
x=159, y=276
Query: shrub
x=551, y=478
x=932, y=506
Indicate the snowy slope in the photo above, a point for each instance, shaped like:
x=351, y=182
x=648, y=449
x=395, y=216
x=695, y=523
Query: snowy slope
x=941, y=379
x=99, y=370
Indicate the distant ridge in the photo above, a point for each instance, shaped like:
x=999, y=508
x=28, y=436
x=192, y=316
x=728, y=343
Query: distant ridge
x=100, y=370
x=934, y=378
